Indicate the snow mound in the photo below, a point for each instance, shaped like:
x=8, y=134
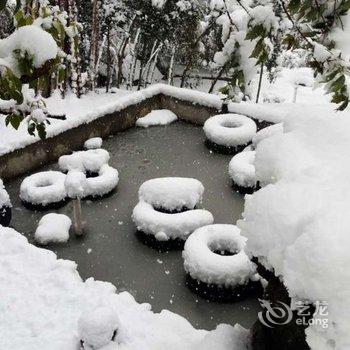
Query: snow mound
x=43, y=188
x=172, y=193
x=90, y=160
x=157, y=117
x=242, y=169
x=166, y=226
x=29, y=39
x=230, y=130
x=299, y=223
x=93, y=143
x=48, y=298
x=53, y=228
x=98, y=327
x=4, y=196
x=203, y=261
x=266, y=133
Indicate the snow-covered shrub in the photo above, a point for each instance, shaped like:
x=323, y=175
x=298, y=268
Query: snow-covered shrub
x=298, y=223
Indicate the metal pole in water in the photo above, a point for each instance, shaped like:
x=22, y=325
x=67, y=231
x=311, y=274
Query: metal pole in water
x=78, y=222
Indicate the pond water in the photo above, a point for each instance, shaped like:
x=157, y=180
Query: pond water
x=110, y=251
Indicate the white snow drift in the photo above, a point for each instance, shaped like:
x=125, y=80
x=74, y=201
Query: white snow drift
x=43, y=188
x=231, y=130
x=242, y=169
x=172, y=193
x=203, y=263
x=299, y=223
x=157, y=117
x=266, y=133
x=166, y=226
x=53, y=228
x=43, y=299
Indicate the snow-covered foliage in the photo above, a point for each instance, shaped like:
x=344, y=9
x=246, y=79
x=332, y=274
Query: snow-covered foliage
x=157, y=117
x=164, y=226
x=203, y=261
x=298, y=223
x=49, y=300
x=53, y=228
x=230, y=130
x=28, y=41
x=43, y=188
x=172, y=193
x=242, y=169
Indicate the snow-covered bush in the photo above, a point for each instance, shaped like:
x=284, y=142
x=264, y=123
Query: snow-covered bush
x=298, y=223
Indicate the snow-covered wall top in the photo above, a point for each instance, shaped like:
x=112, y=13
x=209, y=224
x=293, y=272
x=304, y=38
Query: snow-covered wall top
x=93, y=106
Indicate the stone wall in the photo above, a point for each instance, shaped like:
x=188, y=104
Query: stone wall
x=40, y=153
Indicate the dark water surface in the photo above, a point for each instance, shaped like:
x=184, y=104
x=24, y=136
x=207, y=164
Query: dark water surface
x=111, y=252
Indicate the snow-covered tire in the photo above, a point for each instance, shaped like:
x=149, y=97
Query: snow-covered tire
x=44, y=190
x=89, y=161
x=216, y=265
x=103, y=184
x=242, y=172
x=165, y=230
x=229, y=133
x=5, y=215
x=172, y=194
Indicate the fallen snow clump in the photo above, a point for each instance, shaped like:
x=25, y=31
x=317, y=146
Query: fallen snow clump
x=157, y=117
x=53, y=228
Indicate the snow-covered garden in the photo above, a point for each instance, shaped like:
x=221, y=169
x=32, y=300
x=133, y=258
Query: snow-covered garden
x=174, y=174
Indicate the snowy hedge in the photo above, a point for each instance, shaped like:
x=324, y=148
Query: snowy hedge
x=299, y=222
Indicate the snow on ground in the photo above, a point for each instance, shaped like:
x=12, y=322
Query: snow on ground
x=299, y=222
x=157, y=117
x=53, y=228
x=43, y=299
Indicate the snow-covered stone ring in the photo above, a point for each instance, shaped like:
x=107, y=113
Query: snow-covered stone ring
x=242, y=172
x=216, y=264
x=166, y=210
x=229, y=133
x=44, y=190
